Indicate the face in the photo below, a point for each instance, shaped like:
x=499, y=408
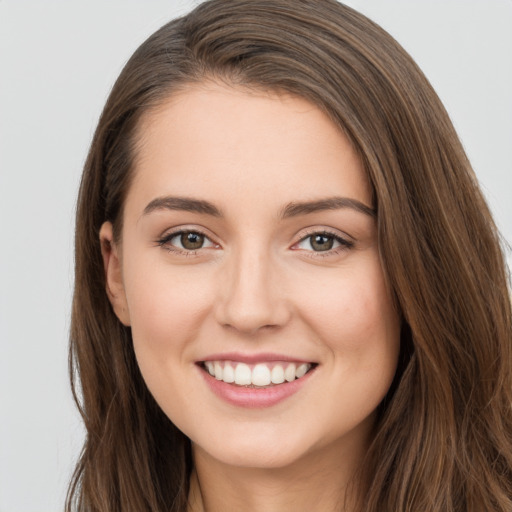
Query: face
x=249, y=273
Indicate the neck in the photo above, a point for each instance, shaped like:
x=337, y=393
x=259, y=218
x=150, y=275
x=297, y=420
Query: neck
x=323, y=481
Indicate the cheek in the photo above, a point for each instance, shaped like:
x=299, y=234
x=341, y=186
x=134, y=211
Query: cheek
x=167, y=307
x=356, y=316
x=167, y=310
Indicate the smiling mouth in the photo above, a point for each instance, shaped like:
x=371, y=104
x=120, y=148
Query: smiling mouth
x=259, y=375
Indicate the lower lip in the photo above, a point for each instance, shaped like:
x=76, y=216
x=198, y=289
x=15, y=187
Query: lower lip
x=254, y=398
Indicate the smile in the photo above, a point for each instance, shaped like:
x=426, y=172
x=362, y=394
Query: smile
x=256, y=380
x=259, y=375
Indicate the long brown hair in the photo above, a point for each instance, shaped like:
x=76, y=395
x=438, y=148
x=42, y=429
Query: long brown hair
x=443, y=438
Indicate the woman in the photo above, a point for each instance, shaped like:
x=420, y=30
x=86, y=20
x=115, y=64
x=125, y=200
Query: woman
x=290, y=293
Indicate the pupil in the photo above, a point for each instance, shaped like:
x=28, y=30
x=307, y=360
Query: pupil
x=322, y=242
x=192, y=241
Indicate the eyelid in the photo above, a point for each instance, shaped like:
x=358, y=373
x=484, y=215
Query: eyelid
x=319, y=230
x=164, y=239
x=346, y=242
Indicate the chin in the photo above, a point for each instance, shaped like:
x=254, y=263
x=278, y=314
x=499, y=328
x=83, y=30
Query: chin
x=256, y=458
x=303, y=443
x=257, y=449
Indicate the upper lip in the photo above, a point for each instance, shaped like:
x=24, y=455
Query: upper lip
x=254, y=358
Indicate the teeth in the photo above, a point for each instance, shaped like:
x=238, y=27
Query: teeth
x=242, y=375
x=229, y=374
x=300, y=371
x=259, y=375
x=218, y=370
x=289, y=373
x=277, y=376
x=210, y=367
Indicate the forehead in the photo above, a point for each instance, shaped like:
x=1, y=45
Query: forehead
x=217, y=140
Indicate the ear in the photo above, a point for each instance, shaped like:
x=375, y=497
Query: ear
x=113, y=274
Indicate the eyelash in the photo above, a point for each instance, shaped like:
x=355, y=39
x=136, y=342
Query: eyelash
x=164, y=242
x=344, y=244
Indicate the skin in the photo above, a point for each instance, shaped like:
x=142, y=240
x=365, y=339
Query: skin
x=257, y=285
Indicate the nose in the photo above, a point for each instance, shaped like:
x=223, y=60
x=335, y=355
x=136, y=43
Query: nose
x=251, y=294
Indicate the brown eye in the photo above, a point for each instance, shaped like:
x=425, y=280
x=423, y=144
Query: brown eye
x=191, y=241
x=186, y=241
x=321, y=242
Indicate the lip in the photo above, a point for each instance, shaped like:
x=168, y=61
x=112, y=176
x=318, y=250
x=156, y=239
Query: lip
x=253, y=398
x=264, y=357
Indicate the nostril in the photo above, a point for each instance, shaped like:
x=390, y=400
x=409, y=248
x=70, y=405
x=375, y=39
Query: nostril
x=250, y=297
x=252, y=319
x=250, y=328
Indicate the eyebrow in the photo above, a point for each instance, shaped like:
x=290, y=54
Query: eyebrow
x=331, y=203
x=293, y=209
x=184, y=204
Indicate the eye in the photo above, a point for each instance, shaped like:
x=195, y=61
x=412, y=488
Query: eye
x=186, y=241
x=322, y=242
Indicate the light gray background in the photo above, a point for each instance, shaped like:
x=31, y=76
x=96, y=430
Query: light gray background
x=58, y=60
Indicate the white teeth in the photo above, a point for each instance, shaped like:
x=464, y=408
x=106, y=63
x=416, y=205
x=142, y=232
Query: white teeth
x=229, y=374
x=242, y=374
x=210, y=367
x=277, y=376
x=301, y=370
x=261, y=375
x=218, y=370
x=289, y=373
